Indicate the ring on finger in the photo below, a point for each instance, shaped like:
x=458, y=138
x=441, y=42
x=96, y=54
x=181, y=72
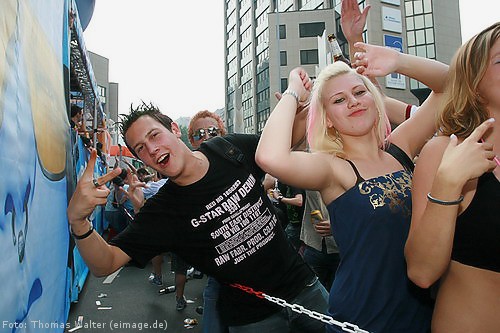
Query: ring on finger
x=95, y=182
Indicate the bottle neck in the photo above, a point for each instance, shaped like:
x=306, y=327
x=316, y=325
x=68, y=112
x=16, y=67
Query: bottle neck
x=335, y=48
x=336, y=52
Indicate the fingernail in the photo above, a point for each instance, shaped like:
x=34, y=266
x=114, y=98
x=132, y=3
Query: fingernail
x=453, y=136
x=491, y=120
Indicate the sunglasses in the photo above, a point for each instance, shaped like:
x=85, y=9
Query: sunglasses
x=202, y=132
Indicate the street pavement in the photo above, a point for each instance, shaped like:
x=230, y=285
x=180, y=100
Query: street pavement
x=130, y=303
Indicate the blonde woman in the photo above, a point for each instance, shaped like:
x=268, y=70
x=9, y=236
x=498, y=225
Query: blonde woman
x=364, y=177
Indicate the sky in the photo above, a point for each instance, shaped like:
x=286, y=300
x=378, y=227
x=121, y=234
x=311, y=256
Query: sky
x=163, y=53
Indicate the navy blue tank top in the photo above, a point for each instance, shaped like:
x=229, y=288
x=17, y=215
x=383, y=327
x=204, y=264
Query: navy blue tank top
x=371, y=222
x=477, y=231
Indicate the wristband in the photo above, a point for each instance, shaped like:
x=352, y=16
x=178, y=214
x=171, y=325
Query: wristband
x=444, y=203
x=291, y=93
x=280, y=198
x=85, y=235
x=410, y=111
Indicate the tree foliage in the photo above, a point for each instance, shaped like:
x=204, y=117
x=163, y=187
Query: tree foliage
x=184, y=136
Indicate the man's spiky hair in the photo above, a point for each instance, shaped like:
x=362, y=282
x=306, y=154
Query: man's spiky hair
x=142, y=109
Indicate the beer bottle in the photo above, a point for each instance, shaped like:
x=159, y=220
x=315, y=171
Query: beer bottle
x=336, y=51
x=316, y=216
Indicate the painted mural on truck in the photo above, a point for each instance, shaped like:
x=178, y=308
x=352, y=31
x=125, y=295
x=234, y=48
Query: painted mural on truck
x=36, y=275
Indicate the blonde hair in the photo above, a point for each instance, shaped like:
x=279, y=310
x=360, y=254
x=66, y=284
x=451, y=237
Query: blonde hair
x=324, y=139
x=464, y=109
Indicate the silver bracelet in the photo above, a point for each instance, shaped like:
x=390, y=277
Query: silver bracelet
x=291, y=93
x=444, y=203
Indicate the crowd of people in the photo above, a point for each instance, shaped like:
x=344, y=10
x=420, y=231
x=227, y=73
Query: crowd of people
x=375, y=241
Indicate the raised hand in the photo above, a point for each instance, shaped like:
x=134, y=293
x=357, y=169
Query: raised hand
x=299, y=81
x=469, y=159
x=352, y=20
x=134, y=190
x=131, y=167
x=375, y=60
x=90, y=192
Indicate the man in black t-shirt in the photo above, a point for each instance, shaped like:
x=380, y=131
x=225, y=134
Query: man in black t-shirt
x=214, y=215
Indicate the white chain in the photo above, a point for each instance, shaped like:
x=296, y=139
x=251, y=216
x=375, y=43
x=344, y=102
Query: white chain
x=348, y=327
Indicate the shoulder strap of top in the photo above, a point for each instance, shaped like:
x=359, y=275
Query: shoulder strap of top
x=359, y=179
x=401, y=156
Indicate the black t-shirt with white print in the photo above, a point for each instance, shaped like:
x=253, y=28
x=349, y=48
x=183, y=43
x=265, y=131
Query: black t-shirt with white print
x=224, y=226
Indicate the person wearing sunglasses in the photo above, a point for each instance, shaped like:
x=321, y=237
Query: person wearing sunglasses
x=203, y=126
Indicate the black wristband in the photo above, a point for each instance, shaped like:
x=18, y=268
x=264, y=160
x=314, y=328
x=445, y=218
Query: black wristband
x=85, y=235
x=280, y=198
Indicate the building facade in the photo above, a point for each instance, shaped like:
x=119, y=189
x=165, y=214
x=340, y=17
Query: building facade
x=265, y=39
x=108, y=93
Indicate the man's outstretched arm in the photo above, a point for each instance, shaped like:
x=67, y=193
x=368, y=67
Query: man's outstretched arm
x=101, y=258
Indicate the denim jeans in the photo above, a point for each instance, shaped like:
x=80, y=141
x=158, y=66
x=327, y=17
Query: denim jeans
x=211, y=320
x=292, y=231
x=314, y=297
x=323, y=264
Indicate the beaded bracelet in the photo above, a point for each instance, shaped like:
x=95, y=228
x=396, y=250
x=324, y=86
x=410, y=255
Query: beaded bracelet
x=291, y=93
x=444, y=203
x=85, y=235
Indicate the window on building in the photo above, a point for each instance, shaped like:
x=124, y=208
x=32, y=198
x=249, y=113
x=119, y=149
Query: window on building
x=282, y=31
x=263, y=77
x=231, y=82
x=261, y=20
x=284, y=84
x=283, y=61
x=247, y=87
x=420, y=31
x=246, y=71
x=418, y=7
x=231, y=20
x=420, y=28
x=246, y=36
x=409, y=23
x=409, y=8
x=313, y=29
x=231, y=51
x=262, y=118
x=263, y=96
x=231, y=33
x=427, y=6
x=245, y=18
x=102, y=94
x=245, y=52
x=309, y=57
x=263, y=58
